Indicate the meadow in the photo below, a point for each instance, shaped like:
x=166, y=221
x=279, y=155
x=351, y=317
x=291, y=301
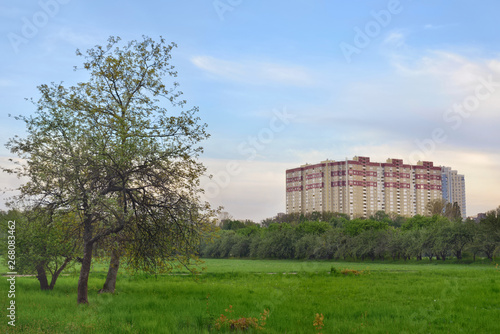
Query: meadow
x=376, y=297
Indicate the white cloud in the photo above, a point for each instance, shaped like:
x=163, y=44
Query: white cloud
x=454, y=70
x=395, y=38
x=430, y=26
x=453, y=78
x=254, y=72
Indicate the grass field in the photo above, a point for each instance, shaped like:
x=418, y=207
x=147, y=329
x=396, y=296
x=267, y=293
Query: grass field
x=385, y=298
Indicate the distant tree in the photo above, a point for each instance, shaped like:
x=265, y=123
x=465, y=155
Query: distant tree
x=436, y=207
x=312, y=227
x=417, y=222
x=412, y=244
x=396, y=220
x=338, y=219
x=462, y=236
x=443, y=208
x=488, y=233
x=305, y=246
x=380, y=216
x=356, y=226
x=395, y=243
x=314, y=216
x=442, y=231
x=453, y=212
x=230, y=224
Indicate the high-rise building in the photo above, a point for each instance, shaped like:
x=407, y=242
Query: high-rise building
x=454, y=188
x=360, y=188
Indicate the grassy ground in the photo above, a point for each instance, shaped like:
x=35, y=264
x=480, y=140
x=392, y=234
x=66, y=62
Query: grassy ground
x=385, y=298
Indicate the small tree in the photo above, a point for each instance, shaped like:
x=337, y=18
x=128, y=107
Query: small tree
x=45, y=242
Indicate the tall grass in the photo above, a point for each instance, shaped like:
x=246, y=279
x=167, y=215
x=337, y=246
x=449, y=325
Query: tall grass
x=385, y=298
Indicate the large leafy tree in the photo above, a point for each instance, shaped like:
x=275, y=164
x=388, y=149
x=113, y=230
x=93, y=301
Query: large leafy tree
x=111, y=152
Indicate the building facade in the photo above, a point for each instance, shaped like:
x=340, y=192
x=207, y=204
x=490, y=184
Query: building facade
x=359, y=187
x=454, y=188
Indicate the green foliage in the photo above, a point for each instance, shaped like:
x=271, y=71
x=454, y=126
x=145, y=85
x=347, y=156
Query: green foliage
x=356, y=226
x=43, y=241
x=312, y=227
x=417, y=222
x=418, y=237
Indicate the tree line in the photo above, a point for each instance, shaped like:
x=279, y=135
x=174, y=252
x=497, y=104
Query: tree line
x=381, y=236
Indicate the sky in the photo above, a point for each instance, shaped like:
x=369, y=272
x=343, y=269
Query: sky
x=284, y=83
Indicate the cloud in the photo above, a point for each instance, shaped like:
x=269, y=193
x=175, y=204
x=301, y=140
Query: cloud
x=455, y=70
x=430, y=26
x=253, y=72
x=395, y=38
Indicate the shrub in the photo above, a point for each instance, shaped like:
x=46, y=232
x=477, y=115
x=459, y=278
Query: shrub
x=352, y=272
x=242, y=323
x=318, y=322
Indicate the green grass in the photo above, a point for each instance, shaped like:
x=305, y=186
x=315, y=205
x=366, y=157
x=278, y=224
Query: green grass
x=387, y=298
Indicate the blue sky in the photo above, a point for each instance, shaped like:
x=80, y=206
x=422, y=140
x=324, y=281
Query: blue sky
x=282, y=83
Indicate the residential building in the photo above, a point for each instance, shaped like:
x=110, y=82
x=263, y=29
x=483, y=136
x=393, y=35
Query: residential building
x=359, y=187
x=454, y=188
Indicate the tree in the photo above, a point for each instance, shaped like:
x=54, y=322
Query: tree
x=436, y=206
x=444, y=208
x=356, y=226
x=488, y=233
x=110, y=152
x=312, y=227
x=43, y=244
x=462, y=235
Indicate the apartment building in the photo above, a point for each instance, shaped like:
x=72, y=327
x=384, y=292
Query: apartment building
x=454, y=188
x=359, y=187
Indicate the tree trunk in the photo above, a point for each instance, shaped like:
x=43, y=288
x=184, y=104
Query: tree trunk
x=84, y=274
x=42, y=277
x=58, y=272
x=114, y=265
